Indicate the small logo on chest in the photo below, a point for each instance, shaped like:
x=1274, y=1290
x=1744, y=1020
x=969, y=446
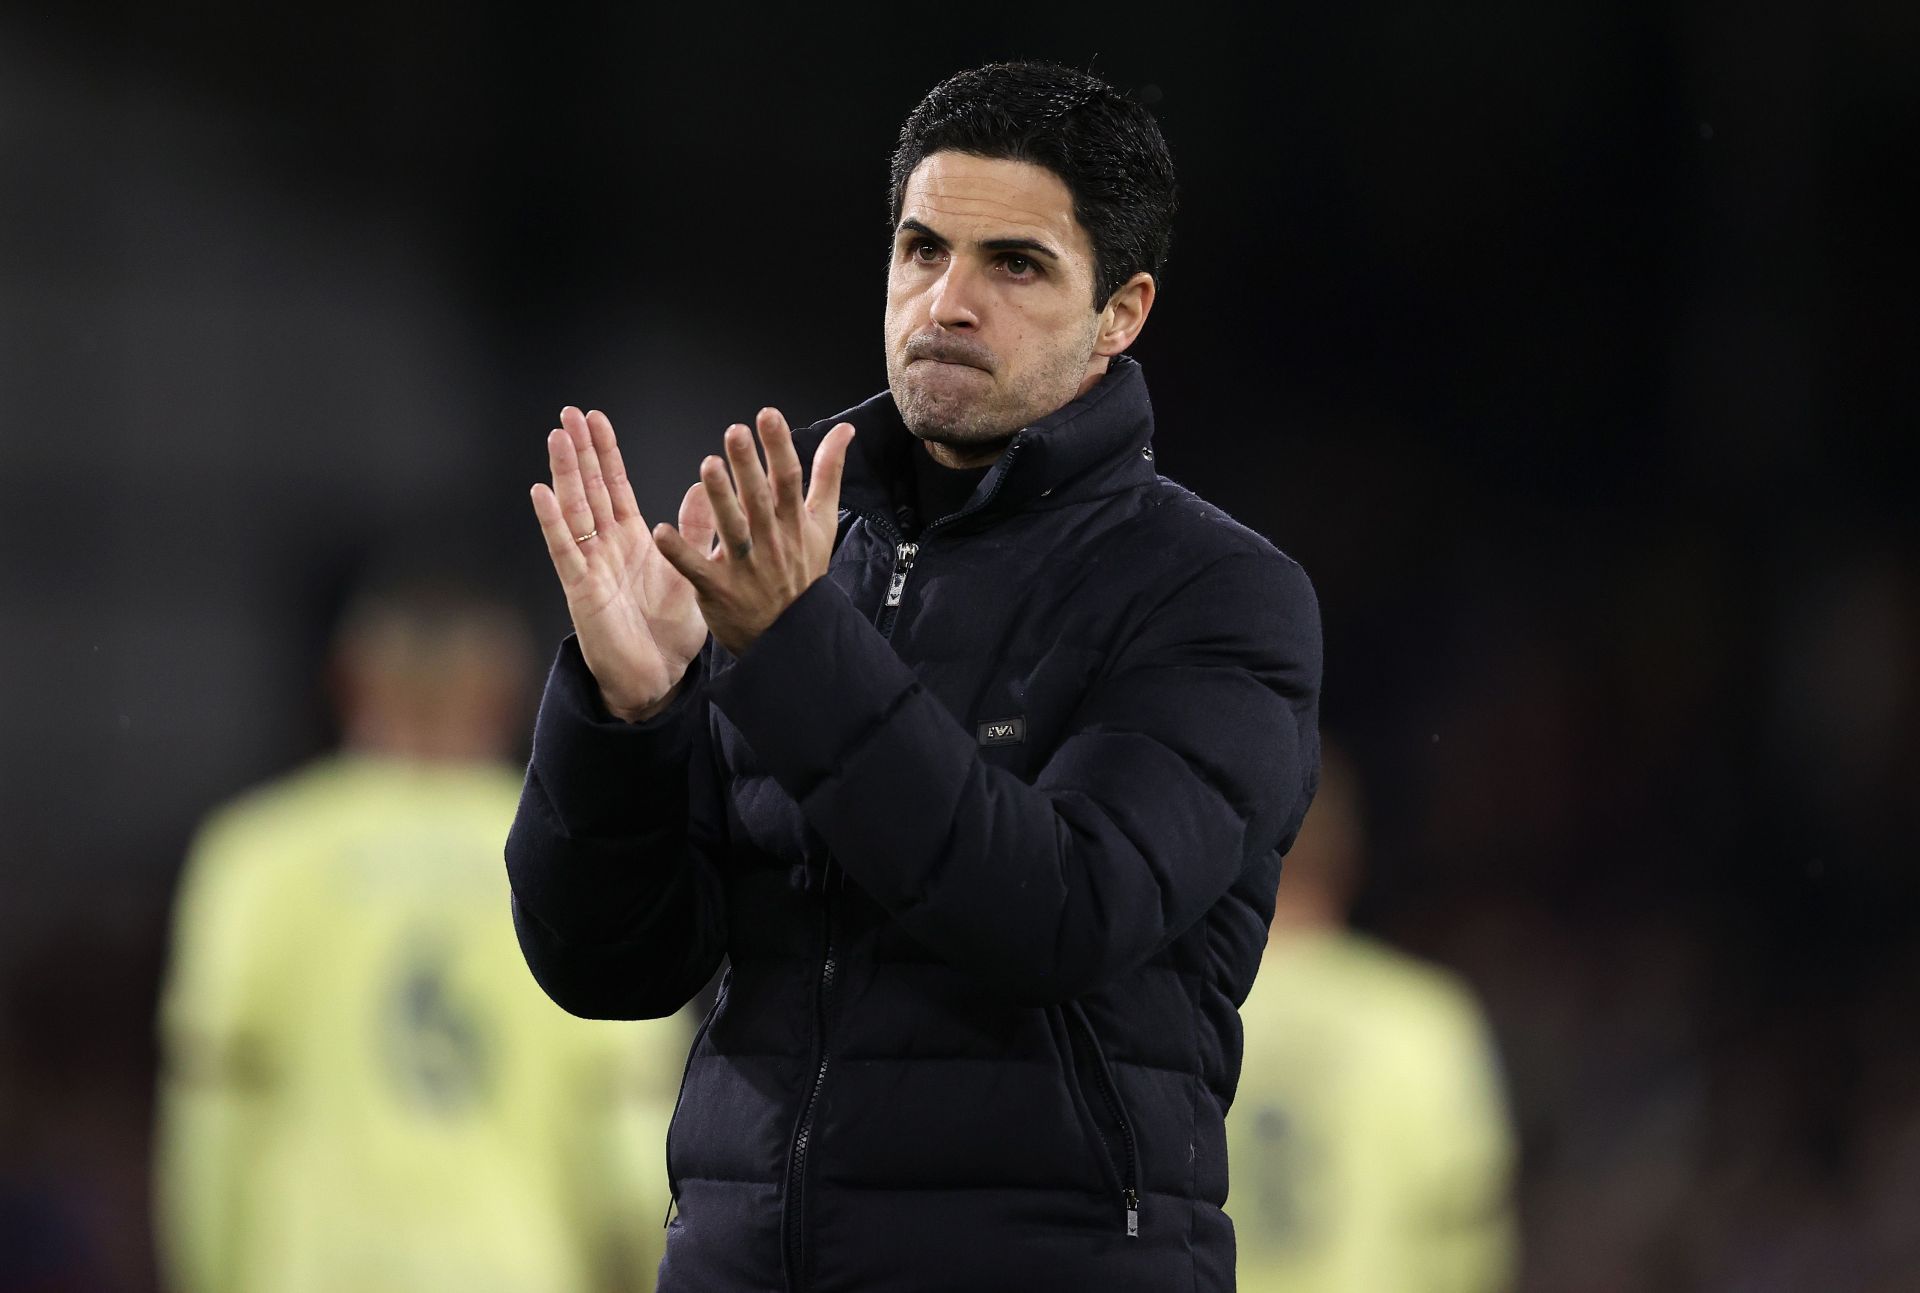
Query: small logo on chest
x=1003, y=731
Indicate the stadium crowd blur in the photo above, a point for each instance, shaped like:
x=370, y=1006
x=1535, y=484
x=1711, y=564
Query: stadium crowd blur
x=1567, y=347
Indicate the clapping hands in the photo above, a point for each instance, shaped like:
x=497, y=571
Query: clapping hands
x=748, y=544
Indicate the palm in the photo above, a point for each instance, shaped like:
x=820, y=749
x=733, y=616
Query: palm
x=636, y=617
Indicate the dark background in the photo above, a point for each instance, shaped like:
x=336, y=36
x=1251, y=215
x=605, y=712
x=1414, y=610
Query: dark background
x=1569, y=346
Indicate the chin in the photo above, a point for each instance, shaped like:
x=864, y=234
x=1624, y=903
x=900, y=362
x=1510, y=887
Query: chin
x=944, y=416
x=953, y=423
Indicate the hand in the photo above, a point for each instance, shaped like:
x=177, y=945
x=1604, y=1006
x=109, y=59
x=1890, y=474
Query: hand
x=636, y=617
x=772, y=543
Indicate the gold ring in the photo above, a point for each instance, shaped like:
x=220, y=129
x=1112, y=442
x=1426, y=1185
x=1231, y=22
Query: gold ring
x=582, y=538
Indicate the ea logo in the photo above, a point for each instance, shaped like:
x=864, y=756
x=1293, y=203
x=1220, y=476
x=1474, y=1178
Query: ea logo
x=1003, y=731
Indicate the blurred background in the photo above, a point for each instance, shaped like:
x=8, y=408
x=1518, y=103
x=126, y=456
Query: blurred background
x=1561, y=343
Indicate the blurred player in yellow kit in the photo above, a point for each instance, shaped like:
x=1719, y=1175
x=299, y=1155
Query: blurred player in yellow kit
x=363, y=1088
x=1369, y=1144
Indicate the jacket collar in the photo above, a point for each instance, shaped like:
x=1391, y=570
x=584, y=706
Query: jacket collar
x=1098, y=443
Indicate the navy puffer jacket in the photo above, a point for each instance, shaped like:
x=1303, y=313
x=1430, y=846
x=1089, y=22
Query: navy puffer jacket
x=986, y=827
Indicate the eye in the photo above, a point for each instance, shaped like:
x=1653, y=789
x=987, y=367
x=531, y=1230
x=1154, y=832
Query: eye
x=924, y=250
x=1020, y=266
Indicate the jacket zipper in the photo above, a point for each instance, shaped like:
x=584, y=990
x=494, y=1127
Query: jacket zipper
x=905, y=554
x=1130, y=1177
x=794, y=1212
x=903, y=557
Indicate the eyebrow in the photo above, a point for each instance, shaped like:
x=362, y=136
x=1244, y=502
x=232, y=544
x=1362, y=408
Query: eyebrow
x=1032, y=245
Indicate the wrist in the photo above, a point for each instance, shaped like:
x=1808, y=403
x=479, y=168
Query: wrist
x=641, y=713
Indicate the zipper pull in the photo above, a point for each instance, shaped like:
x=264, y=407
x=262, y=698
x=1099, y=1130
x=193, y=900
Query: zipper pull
x=1133, y=1214
x=903, y=555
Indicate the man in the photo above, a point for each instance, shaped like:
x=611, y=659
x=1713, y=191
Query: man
x=1370, y=1141
x=362, y=1091
x=971, y=760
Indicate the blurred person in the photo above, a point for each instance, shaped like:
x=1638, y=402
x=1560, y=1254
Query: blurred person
x=973, y=761
x=362, y=1091
x=1371, y=1145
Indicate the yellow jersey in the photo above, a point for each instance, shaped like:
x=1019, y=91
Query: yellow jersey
x=1369, y=1146
x=363, y=1088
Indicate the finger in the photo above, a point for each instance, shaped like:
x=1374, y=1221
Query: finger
x=568, y=561
x=684, y=557
x=592, y=481
x=729, y=521
x=783, y=463
x=750, y=483
x=613, y=469
x=829, y=464
x=696, y=518
x=567, y=487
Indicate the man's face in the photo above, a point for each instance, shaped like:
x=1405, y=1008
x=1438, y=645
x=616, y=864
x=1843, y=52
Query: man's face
x=990, y=322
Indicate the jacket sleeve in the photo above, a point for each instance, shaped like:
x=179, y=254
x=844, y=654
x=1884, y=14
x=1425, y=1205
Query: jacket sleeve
x=1192, y=756
x=617, y=906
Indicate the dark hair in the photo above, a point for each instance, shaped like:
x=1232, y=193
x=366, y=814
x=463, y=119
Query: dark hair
x=1103, y=145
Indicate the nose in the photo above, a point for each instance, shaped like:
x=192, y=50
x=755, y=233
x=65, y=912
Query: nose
x=956, y=305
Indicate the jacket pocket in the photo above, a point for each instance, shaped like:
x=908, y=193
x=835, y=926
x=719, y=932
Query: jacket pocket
x=699, y=1036
x=1109, y=1110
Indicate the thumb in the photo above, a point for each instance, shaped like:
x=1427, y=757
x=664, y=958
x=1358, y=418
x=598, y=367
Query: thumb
x=829, y=464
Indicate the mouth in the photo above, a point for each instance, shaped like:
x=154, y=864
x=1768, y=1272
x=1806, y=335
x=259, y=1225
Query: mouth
x=949, y=352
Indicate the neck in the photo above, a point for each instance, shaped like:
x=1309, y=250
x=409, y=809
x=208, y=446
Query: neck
x=961, y=458
x=421, y=739
x=1097, y=367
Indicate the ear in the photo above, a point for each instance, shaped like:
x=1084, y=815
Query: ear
x=1125, y=314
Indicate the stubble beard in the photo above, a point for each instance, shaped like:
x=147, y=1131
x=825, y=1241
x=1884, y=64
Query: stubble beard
x=970, y=412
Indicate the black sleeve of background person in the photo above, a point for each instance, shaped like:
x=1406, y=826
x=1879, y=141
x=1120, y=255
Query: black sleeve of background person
x=1191, y=759
x=619, y=913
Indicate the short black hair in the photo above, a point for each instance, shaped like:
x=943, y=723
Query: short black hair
x=1105, y=146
